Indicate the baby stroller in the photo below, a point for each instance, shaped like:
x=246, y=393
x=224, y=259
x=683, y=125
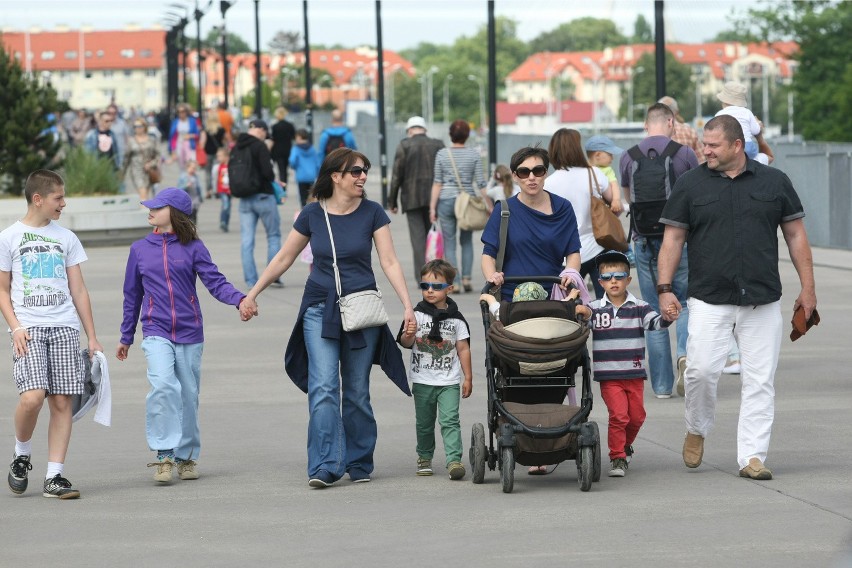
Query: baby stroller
x=531, y=356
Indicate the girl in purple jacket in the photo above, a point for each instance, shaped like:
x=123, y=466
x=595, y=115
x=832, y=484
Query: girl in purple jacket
x=159, y=283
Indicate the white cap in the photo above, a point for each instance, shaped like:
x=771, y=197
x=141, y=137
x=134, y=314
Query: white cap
x=416, y=122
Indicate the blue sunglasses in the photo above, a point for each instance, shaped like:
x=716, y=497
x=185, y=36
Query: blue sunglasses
x=607, y=276
x=434, y=285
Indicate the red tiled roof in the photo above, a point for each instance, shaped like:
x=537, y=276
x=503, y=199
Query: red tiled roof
x=136, y=49
x=343, y=65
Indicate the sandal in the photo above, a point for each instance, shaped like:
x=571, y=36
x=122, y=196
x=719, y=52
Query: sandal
x=538, y=470
x=466, y=284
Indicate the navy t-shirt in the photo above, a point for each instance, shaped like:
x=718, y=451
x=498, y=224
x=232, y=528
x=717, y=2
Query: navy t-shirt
x=353, y=240
x=536, y=244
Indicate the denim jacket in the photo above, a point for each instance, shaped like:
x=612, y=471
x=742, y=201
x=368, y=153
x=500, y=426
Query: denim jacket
x=159, y=284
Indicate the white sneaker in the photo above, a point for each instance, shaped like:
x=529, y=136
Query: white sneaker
x=681, y=372
x=732, y=369
x=663, y=395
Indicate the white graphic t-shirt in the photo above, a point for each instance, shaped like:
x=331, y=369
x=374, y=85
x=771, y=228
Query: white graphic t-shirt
x=436, y=363
x=38, y=257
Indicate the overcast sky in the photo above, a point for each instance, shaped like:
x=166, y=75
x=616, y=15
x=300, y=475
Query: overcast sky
x=352, y=22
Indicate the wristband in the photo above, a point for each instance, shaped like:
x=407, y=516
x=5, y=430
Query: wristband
x=663, y=288
x=17, y=329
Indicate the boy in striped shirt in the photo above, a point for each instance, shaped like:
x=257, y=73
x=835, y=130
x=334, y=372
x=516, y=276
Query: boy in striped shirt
x=619, y=321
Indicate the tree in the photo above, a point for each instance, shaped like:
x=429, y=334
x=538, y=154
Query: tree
x=236, y=44
x=678, y=84
x=26, y=144
x=642, y=32
x=582, y=34
x=823, y=77
x=285, y=42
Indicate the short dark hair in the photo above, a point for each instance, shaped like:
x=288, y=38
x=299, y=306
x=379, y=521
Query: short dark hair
x=566, y=151
x=439, y=267
x=528, y=152
x=302, y=133
x=337, y=161
x=42, y=182
x=459, y=131
x=730, y=127
x=658, y=112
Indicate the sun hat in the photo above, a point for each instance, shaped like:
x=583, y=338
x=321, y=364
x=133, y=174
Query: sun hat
x=528, y=291
x=733, y=93
x=172, y=196
x=602, y=144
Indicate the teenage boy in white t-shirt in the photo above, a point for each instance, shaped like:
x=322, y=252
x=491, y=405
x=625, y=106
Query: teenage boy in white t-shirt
x=42, y=293
x=440, y=354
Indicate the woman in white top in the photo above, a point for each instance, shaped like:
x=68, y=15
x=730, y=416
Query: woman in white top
x=572, y=179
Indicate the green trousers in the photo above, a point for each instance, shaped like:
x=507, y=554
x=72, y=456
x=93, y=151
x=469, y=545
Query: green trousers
x=432, y=402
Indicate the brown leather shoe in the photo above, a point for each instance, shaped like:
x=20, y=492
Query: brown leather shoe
x=756, y=470
x=693, y=450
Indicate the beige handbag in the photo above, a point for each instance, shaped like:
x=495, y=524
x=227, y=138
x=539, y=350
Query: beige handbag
x=471, y=210
x=606, y=226
x=358, y=310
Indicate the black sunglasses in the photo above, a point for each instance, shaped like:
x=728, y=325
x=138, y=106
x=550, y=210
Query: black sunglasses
x=607, y=276
x=434, y=285
x=524, y=173
x=357, y=171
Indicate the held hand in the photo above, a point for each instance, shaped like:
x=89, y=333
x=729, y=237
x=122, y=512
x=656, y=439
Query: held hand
x=669, y=306
x=20, y=339
x=248, y=309
x=121, y=351
x=409, y=319
x=467, y=387
x=410, y=329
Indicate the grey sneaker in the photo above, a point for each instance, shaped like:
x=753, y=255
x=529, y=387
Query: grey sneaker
x=618, y=467
x=59, y=488
x=681, y=369
x=165, y=467
x=456, y=470
x=187, y=469
x=18, y=471
x=424, y=466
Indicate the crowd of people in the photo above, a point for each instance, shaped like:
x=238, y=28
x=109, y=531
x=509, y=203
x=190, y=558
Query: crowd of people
x=724, y=292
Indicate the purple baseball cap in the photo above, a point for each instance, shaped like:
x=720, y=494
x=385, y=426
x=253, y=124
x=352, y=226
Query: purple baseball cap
x=177, y=198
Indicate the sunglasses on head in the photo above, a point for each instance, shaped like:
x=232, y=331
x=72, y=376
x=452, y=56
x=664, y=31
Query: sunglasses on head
x=607, y=276
x=537, y=171
x=434, y=285
x=357, y=171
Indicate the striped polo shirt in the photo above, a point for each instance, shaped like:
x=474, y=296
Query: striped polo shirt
x=619, y=337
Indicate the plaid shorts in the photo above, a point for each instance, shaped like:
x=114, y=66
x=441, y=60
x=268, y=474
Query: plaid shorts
x=53, y=362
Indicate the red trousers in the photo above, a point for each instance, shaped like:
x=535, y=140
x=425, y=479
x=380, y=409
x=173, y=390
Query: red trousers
x=624, y=400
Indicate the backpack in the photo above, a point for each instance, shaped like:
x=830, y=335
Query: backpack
x=334, y=142
x=651, y=182
x=242, y=174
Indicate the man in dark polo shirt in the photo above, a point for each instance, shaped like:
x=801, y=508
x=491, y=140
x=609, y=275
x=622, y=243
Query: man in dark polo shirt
x=728, y=211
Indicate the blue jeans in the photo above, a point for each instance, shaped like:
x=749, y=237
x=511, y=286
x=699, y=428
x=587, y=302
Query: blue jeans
x=659, y=348
x=341, y=437
x=171, y=407
x=447, y=217
x=225, y=213
x=258, y=207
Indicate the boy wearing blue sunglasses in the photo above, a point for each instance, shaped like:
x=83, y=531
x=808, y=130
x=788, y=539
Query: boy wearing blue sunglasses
x=619, y=321
x=440, y=354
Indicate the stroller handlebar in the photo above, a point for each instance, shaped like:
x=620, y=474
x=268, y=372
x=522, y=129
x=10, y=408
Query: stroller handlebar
x=519, y=279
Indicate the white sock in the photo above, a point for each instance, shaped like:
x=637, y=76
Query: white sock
x=23, y=448
x=54, y=468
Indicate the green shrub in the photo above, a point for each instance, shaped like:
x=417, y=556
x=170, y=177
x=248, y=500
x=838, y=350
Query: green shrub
x=87, y=174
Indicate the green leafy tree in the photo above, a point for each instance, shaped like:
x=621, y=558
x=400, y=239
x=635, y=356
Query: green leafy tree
x=25, y=144
x=582, y=34
x=642, y=31
x=678, y=83
x=823, y=79
x=236, y=44
x=285, y=42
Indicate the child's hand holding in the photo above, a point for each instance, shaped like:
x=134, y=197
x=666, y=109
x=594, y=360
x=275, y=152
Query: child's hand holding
x=410, y=330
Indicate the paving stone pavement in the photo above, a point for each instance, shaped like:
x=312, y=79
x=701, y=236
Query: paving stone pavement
x=252, y=505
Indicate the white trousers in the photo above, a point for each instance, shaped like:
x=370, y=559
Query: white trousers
x=757, y=330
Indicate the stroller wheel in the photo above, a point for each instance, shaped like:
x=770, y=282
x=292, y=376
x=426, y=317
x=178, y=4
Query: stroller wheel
x=507, y=469
x=596, y=459
x=584, y=467
x=477, y=453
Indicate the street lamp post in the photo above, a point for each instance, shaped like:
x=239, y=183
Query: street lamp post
x=698, y=75
x=481, y=99
x=430, y=108
x=223, y=8
x=258, y=93
x=447, y=97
